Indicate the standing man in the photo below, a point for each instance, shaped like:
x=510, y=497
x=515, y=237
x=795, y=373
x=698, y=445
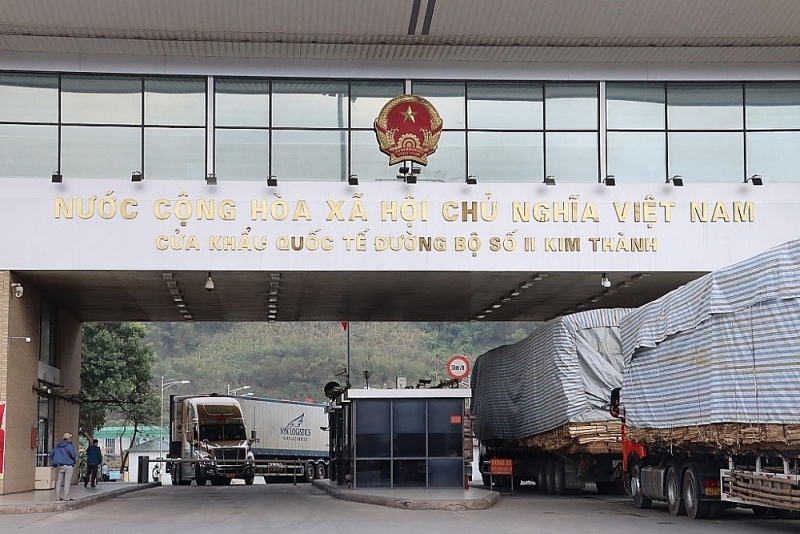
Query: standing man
x=94, y=457
x=63, y=456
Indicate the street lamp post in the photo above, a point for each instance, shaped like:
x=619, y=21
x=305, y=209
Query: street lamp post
x=161, y=416
x=234, y=390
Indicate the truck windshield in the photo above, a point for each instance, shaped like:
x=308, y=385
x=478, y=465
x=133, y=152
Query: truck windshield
x=222, y=432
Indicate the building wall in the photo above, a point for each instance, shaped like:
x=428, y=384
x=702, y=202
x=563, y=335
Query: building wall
x=19, y=362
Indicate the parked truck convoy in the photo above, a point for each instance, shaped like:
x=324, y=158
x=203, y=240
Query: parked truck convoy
x=710, y=395
x=219, y=438
x=542, y=403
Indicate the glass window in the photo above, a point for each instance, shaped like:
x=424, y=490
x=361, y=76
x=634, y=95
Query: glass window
x=242, y=102
x=100, y=151
x=174, y=153
x=310, y=104
x=309, y=155
x=29, y=98
x=101, y=99
x=637, y=157
x=373, y=429
x=45, y=427
x=28, y=150
x=707, y=156
x=571, y=106
x=506, y=156
x=635, y=106
x=505, y=106
x=242, y=154
x=772, y=105
x=368, y=98
x=445, y=438
x=572, y=157
x=445, y=473
x=373, y=473
x=409, y=428
x=448, y=163
x=701, y=106
x=367, y=160
x=410, y=473
x=774, y=156
x=448, y=99
x=175, y=101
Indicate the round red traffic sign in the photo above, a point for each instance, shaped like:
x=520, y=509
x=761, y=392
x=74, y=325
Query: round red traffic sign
x=458, y=367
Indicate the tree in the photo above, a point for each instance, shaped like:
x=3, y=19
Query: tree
x=116, y=377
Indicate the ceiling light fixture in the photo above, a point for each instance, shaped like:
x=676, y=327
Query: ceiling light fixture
x=209, y=282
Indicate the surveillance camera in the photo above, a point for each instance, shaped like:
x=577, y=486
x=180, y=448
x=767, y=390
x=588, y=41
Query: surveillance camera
x=18, y=290
x=606, y=283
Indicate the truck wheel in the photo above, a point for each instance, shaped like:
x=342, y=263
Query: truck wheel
x=541, y=477
x=248, y=480
x=786, y=514
x=640, y=501
x=695, y=508
x=673, y=492
x=199, y=476
x=309, y=471
x=559, y=477
x=322, y=471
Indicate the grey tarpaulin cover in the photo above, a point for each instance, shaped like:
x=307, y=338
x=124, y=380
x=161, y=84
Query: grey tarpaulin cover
x=564, y=372
x=724, y=348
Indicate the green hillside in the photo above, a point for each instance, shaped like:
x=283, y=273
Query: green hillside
x=296, y=360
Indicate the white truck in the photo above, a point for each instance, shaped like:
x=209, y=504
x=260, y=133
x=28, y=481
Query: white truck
x=290, y=438
x=208, y=441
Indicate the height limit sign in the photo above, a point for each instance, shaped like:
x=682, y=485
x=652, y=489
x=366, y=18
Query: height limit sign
x=458, y=367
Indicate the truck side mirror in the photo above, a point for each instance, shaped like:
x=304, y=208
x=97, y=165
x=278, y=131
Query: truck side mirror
x=253, y=436
x=614, y=408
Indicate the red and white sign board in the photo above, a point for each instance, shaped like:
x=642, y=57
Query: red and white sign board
x=458, y=367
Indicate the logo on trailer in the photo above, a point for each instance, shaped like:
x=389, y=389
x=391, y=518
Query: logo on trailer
x=408, y=128
x=294, y=431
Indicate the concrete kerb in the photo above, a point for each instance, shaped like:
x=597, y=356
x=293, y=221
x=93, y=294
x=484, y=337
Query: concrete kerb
x=412, y=499
x=80, y=502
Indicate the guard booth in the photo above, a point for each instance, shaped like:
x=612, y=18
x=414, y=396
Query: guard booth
x=398, y=438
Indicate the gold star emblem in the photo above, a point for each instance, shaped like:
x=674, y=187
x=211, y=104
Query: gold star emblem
x=409, y=115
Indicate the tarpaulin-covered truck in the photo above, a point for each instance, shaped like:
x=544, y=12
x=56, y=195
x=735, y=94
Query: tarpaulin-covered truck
x=209, y=441
x=291, y=438
x=542, y=403
x=711, y=391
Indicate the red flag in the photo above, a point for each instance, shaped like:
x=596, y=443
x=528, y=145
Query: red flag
x=344, y=325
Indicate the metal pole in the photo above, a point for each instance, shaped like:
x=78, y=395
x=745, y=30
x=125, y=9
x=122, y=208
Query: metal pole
x=161, y=426
x=347, y=377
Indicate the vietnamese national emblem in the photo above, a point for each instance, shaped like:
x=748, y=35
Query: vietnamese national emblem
x=408, y=128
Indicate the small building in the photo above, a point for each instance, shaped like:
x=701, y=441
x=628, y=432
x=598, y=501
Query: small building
x=399, y=438
x=152, y=449
x=114, y=440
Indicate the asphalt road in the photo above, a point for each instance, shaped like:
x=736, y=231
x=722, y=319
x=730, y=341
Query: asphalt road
x=289, y=509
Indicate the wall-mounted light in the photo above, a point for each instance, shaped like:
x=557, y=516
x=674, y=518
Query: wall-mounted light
x=25, y=338
x=56, y=178
x=676, y=180
x=604, y=281
x=18, y=289
x=549, y=180
x=209, y=282
x=755, y=180
x=137, y=176
x=211, y=179
x=352, y=179
x=610, y=180
x=272, y=181
x=471, y=180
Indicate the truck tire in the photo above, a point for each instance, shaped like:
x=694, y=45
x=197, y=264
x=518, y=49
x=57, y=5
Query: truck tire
x=550, y=469
x=308, y=471
x=640, y=500
x=695, y=508
x=559, y=477
x=541, y=477
x=673, y=492
x=248, y=480
x=199, y=475
x=322, y=471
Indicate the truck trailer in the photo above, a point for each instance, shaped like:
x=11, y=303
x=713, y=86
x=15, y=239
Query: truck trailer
x=542, y=403
x=208, y=441
x=291, y=438
x=710, y=398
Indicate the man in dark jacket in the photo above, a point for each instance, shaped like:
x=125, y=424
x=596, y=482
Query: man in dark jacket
x=63, y=457
x=94, y=457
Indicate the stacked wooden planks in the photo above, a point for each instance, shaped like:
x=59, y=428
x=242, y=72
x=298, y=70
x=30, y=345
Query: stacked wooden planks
x=730, y=436
x=598, y=437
